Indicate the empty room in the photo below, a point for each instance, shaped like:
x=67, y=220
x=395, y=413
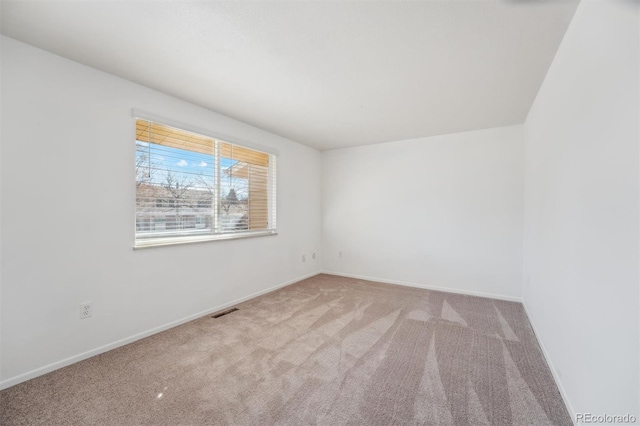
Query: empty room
x=320, y=212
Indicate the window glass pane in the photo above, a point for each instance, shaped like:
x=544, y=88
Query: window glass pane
x=174, y=188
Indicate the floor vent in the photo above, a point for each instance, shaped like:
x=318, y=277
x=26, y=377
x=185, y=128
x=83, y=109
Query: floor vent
x=223, y=313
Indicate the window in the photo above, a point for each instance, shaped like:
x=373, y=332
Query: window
x=191, y=187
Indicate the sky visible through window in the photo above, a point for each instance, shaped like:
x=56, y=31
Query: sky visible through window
x=154, y=163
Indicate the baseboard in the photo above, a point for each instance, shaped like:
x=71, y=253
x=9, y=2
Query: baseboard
x=97, y=351
x=428, y=287
x=565, y=398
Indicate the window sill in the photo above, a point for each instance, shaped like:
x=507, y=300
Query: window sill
x=189, y=239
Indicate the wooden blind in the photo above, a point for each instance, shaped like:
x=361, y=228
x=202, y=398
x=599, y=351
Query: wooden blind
x=168, y=136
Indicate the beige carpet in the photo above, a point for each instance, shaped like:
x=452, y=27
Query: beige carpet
x=327, y=350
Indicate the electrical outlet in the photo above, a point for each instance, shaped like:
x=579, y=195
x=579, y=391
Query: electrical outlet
x=86, y=310
x=313, y=256
x=340, y=254
x=304, y=258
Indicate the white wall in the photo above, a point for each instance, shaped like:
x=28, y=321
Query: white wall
x=443, y=211
x=581, y=221
x=1, y=262
x=68, y=209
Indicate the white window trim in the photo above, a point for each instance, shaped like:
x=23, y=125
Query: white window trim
x=189, y=239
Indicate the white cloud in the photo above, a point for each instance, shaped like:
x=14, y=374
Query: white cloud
x=203, y=164
x=182, y=163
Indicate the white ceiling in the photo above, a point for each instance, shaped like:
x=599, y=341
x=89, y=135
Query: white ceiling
x=327, y=74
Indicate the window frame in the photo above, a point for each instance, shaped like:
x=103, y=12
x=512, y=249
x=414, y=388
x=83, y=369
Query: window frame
x=189, y=236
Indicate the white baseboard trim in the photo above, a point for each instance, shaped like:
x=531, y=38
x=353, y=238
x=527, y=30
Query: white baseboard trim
x=565, y=397
x=12, y=381
x=427, y=287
